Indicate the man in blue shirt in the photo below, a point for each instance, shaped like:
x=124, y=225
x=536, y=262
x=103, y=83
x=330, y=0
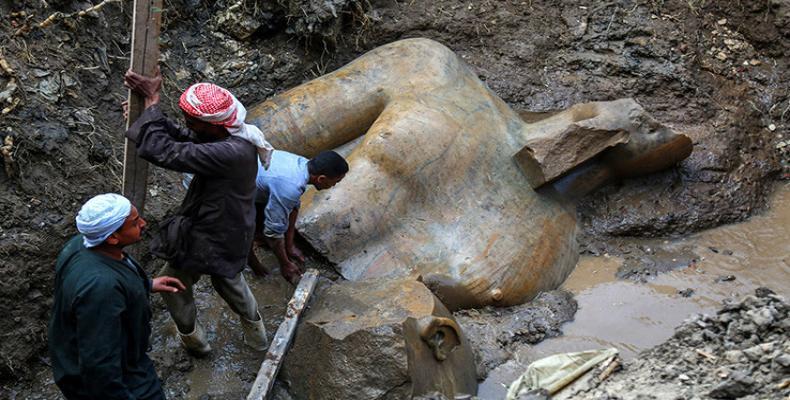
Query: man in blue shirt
x=280, y=189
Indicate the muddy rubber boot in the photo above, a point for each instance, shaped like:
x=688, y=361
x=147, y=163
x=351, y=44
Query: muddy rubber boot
x=255, y=334
x=195, y=342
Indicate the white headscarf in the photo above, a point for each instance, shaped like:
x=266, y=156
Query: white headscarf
x=102, y=215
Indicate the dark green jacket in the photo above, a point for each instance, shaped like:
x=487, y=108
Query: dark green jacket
x=100, y=325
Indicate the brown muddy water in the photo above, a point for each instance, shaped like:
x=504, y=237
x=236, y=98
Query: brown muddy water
x=229, y=371
x=634, y=316
x=231, y=367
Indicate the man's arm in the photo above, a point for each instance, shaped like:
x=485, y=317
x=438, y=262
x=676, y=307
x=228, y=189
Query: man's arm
x=165, y=144
x=276, y=225
x=176, y=131
x=156, y=145
x=277, y=245
x=290, y=247
x=150, y=88
x=179, y=133
x=98, y=308
x=288, y=269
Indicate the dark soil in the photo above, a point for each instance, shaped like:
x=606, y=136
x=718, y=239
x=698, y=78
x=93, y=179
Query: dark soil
x=714, y=70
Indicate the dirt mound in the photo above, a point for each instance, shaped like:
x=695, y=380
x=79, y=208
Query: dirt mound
x=742, y=352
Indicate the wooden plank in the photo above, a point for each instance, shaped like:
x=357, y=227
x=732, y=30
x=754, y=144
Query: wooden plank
x=282, y=339
x=146, y=24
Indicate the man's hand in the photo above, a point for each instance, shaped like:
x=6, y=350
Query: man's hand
x=288, y=268
x=290, y=272
x=145, y=86
x=167, y=284
x=295, y=254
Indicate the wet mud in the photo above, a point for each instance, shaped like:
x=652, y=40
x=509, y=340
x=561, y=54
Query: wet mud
x=738, y=352
x=633, y=316
x=496, y=334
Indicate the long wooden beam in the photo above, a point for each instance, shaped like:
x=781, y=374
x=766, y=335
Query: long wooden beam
x=146, y=24
x=282, y=339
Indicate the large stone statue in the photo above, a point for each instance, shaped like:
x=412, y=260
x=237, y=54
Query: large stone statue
x=444, y=174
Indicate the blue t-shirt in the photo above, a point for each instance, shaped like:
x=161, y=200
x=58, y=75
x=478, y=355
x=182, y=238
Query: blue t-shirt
x=281, y=187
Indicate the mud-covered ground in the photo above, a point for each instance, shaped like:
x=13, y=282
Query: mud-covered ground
x=714, y=70
x=740, y=352
x=743, y=351
x=496, y=333
x=634, y=316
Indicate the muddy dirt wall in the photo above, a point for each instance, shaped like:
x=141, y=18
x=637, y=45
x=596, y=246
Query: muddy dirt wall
x=715, y=70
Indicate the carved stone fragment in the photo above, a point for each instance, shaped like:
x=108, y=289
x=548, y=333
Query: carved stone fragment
x=379, y=339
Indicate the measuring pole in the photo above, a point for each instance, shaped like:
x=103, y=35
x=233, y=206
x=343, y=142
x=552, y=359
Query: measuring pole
x=146, y=23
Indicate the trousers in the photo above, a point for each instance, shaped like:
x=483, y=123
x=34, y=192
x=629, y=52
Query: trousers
x=235, y=291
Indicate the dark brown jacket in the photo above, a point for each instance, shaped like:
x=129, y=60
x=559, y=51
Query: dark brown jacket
x=219, y=202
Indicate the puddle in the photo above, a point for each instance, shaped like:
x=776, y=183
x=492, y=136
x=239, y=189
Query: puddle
x=230, y=369
x=635, y=316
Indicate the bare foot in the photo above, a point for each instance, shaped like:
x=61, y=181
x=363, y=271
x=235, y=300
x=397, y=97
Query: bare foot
x=257, y=267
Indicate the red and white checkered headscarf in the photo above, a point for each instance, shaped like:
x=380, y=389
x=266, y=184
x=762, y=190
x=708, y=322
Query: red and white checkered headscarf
x=215, y=105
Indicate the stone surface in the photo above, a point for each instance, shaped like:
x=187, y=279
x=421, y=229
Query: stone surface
x=379, y=339
x=558, y=145
x=738, y=385
x=433, y=189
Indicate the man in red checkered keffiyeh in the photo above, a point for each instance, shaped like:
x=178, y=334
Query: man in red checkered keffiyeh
x=212, y=231
x=217, y=106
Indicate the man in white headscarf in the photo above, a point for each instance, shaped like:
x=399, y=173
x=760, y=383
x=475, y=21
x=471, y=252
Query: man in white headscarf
x=100, y=323
x=212, y=232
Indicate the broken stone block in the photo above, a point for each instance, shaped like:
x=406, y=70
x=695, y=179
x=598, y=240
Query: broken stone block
x=738, y=385
x=559, y=144
x=379, y=339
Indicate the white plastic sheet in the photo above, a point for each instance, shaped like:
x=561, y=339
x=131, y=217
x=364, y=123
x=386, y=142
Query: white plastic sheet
x=555, y=372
